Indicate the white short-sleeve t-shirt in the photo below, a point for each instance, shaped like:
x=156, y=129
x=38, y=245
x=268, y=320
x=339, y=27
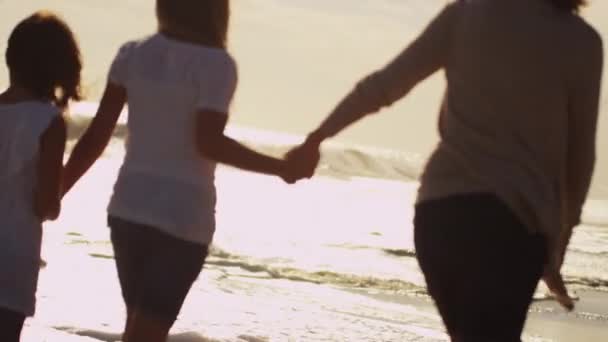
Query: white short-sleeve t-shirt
x=21, y=127
x=164, y=181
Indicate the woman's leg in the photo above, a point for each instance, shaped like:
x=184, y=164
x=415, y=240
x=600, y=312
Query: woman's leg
x=480, y=264
x=11, y=324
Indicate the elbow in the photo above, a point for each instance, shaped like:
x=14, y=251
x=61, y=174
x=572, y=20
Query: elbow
x=375, y=93
x=210, y=148
x=53, y=211
x=48, y=210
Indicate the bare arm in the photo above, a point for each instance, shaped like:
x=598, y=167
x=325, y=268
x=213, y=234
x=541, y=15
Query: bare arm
x=215, y=145
x=583, y=111
x=94, y=141
x=47, y=198
x=582, y=132
x=425, y=56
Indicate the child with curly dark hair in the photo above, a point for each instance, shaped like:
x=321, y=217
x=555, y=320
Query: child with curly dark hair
x=44, y=65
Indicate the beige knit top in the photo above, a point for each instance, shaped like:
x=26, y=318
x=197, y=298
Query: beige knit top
x=520, y=111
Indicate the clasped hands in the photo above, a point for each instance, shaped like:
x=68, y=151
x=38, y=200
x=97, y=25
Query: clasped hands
x=301, y=161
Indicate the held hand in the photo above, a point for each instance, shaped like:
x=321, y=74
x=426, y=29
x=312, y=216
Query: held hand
x=302, y=161
x=286, y=174
x=555, y=282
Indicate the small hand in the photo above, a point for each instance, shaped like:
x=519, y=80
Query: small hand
x=302, y=161
x=287, y=175
x=555, y=282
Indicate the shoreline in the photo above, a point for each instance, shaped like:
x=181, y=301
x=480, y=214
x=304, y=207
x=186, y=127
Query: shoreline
x=547, y=321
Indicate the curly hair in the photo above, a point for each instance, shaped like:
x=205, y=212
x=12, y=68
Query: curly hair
x=207, y=20
x=43, y=57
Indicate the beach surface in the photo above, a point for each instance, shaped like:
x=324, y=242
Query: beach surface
x=282, y=269
x=330, y=259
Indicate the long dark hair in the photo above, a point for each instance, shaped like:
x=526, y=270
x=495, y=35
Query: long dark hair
x=206, y=21
x=43, y=57
x=569, y=5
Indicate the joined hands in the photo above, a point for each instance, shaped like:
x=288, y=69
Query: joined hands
x=301, y=161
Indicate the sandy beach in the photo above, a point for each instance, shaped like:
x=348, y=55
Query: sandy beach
x=280, y=293
x=330, y=259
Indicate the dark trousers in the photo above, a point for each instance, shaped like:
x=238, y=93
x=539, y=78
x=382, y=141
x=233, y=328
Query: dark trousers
x=11, y=324
x=481, y=265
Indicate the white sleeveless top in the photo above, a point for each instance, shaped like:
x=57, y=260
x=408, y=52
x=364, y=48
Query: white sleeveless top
x=21, y=126
x=164, y=181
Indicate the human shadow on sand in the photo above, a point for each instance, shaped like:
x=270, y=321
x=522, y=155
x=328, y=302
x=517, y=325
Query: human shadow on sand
x=183, y=337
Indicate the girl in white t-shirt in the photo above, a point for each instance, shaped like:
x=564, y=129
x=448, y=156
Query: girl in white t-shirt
x=178, y=84
x=32, y=142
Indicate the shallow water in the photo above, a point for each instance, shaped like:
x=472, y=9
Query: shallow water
x=329, y=259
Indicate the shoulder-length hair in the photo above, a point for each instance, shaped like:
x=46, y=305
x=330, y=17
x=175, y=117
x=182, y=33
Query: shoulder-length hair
x=205, y=20
x=43, y=57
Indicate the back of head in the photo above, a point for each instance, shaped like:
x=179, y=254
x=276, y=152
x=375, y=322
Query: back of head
x=569, y=5
x=43, y=57
x=204, y=21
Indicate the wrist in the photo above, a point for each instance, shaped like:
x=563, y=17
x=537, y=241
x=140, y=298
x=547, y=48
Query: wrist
x=280, y=168
x=316, y=138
